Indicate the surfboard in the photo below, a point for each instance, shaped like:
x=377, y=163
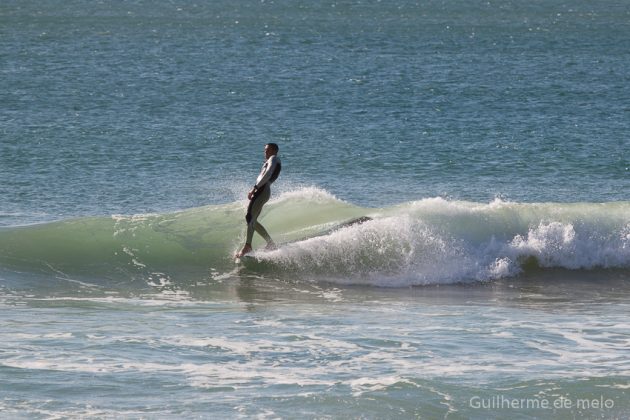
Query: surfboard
x=247, y=258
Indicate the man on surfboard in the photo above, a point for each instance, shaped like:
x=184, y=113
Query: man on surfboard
x=259, y=195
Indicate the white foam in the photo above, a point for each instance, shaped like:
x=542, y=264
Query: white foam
x=557, y=244
x=343, y=355
x=310, y=194
x=370, y=384
x=438, y=241
x=166, y=298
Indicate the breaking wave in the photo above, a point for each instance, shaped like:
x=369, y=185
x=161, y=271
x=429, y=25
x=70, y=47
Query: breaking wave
x=415, y=243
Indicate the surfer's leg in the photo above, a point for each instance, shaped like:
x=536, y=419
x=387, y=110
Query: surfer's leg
x=253, y=211
x=262, y=232
x=251, y=227
x=271, y=245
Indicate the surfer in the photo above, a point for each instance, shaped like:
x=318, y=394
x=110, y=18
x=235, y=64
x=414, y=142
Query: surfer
x=259, y=195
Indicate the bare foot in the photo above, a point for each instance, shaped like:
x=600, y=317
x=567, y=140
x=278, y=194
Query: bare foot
x=270, y=246
x=246, y=250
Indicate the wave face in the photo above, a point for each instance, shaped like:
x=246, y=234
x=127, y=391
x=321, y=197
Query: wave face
x=415, y=243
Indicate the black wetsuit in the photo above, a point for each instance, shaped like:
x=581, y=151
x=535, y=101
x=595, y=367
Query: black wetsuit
x=262, y=191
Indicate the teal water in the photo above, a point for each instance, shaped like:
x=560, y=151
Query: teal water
x=487, y=141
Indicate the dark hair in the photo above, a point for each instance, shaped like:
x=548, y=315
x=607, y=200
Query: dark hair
x=273, y=146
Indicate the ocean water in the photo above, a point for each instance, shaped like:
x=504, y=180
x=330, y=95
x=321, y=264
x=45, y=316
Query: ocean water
x=487, y=141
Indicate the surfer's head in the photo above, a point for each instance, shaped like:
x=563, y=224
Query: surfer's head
x=271, y=149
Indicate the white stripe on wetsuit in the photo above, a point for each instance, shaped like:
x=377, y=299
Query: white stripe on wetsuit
x=267, y=171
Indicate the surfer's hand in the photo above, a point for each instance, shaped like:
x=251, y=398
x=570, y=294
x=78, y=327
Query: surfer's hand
x=251, y=194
